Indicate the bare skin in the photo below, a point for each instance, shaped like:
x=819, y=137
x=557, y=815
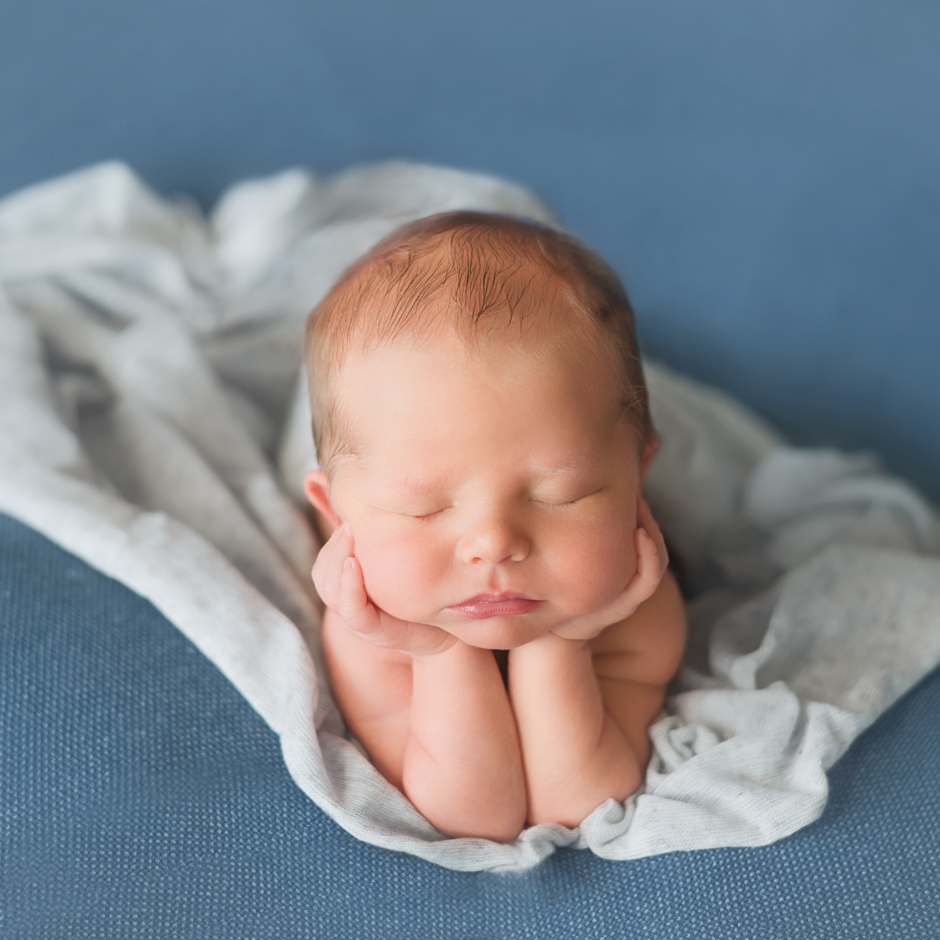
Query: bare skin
x=492, y=503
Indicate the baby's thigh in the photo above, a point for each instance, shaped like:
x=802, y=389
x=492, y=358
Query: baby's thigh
x=372, y=687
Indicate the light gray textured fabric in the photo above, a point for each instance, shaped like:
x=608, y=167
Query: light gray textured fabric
x=148, y=357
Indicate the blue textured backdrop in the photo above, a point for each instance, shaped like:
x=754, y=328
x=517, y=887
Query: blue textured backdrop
x=764, y=174
x=141, y=797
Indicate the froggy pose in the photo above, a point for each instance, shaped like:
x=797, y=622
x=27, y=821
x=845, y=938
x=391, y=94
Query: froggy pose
x=482, y=426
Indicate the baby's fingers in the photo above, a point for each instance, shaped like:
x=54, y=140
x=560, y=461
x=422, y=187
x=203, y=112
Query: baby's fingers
x=649, y=569
x=363, y=618
x=328, y=569
x=355, y=608
x=645, y=521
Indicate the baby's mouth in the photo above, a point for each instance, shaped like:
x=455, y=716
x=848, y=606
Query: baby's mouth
x=494, y=605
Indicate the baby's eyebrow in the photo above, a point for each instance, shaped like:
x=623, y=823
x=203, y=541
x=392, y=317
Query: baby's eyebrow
x=421, y=487
x=573, y=465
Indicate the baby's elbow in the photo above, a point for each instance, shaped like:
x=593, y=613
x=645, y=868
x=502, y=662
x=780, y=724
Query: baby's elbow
x=499, y=826
x=513, y=824
x=494, y=814
x=570, y=806
x=505, y=831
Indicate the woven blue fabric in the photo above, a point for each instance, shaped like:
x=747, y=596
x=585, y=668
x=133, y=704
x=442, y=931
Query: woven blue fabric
x=140, y=796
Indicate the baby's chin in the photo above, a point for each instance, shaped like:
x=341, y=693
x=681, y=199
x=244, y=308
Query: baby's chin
x=498, y=633
x=491, y=633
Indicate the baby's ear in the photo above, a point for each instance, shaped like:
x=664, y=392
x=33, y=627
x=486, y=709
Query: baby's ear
x=650, y=447
x=317, y=490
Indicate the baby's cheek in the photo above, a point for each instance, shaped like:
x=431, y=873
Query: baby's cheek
x=400, y=572
x=596, y=565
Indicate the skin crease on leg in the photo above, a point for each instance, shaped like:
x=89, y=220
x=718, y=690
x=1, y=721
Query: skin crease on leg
x=504, y=468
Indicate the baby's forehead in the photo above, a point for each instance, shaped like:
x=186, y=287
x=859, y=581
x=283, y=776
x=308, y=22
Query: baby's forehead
x=531, y=341
x=483, y=376
x=445, y=402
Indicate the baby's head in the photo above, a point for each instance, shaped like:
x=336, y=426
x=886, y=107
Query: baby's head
x=481, y=423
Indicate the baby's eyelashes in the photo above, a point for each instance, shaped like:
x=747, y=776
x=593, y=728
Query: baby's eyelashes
x=425, y=512
x=548, y=501
x=419, y=513
x=430, y=516
x=560, y=503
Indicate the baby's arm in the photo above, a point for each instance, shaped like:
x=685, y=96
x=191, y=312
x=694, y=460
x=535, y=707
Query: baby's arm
x=583, y=707
x=435, y=721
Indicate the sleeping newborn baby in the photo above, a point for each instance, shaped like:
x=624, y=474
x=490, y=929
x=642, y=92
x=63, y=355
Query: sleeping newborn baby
x=501, y=624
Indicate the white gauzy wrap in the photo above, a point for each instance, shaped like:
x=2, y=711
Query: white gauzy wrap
x=148, y=358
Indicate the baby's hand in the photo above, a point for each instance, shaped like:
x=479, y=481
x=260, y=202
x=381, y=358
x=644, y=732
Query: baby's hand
x=338, y=578
x=651, y=561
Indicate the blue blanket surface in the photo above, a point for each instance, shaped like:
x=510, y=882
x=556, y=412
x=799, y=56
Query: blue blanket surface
x=142, y=796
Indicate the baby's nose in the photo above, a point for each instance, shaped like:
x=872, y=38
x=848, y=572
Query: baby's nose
x=494, y=540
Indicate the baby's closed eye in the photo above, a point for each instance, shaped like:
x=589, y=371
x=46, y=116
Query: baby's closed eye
x=548, y=500
x=419, y=509
x=429, y=516
x=425, y=513
x=560, y=501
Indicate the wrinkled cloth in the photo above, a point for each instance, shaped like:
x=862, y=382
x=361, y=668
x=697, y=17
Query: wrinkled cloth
x=152, y=423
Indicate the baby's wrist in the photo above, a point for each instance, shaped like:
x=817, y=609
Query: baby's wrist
x=547, y=644
x=570, y=643
x=447, y=644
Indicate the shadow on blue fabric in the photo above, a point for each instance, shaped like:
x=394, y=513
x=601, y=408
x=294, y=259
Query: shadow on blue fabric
x=142, y=797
